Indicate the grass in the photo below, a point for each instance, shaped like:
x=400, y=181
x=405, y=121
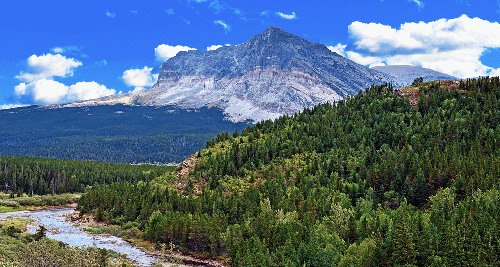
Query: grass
x=142, y=243
x=94, y=229
x=25, y=202
x=4, y=209
x=18, y=223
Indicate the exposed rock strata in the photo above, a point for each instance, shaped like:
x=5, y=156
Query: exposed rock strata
x=274, y=73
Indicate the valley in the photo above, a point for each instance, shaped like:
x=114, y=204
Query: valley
x=273, y=152
x=371, y=181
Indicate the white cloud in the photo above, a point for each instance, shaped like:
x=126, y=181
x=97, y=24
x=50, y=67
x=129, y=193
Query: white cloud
x=238, y=12
x=169, y=11
x=139, y=78
x=366, y=60
x=86, y=91
x=339, y=49
x=50, y=92
x=186, y=21
x=265, y=13
x=40, y=88
x=43, y=91
x=58, y=50
x=217, y=6
x=72, y=50
x=451, y=46
x=420, y=4
x=110, y=15
x=9, y=106
x=213, y=47
x=227, y=28
x=101, y=63
x=134, y=11
x=286, y=16
x=48, y=66
x=164, y=52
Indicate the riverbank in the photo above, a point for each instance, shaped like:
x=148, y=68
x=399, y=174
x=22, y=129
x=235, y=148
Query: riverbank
x=12, y=203
x=132, y=235
x=23, y=242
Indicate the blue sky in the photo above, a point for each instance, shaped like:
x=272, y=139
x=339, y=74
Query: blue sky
x=62, y=51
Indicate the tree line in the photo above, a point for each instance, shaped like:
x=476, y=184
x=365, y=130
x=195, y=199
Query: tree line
x=19, y=175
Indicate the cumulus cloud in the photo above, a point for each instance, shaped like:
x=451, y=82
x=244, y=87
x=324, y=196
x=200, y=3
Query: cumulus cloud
x=213, y=47
x=339, y=49
x=49, y=91
x=286, y=16
x=134, y=11
x=110, y=15
x=227, y=28
x=451, y=46
x=38, y=86
x=164, y=52
x=139, y=78
x=42, y=91
x=48, y=66
x=87, y=90
x=169, y=11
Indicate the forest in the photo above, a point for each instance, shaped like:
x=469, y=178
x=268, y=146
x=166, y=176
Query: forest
x=369, y=181
x=110, y=133
x=43, y=176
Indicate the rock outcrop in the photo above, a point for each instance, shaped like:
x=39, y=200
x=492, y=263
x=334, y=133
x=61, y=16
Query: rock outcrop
x=406, y=74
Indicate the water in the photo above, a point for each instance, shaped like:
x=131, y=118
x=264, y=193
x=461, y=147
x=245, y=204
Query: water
x=61, y=230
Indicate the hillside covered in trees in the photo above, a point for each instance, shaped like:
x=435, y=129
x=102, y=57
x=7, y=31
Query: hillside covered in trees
x=110, y=133
x=370, y=181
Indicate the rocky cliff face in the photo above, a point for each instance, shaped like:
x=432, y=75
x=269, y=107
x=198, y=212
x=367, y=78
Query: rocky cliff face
x=406, y=74
x=274, y=73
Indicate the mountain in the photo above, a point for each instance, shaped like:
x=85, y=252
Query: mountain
x=273, y=73
x=405, y=74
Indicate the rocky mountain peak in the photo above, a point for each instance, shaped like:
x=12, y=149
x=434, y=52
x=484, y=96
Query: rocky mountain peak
x=276, y=38
x=275, y=35
x=273, y=73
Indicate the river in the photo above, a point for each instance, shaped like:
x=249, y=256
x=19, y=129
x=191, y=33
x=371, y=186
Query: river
x=60, y=230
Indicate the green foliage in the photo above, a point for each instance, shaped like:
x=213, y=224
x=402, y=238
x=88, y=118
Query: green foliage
x=19, y=249
x=53, y=176
x=418, y=81
x=369, y=181
x=110, y=133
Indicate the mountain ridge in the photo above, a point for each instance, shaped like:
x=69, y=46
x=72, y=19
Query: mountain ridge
x=405, y=74
x=272, y=74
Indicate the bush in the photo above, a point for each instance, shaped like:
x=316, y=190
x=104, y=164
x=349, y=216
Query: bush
x=9, y=203
x=30, y=201
x=418, y=81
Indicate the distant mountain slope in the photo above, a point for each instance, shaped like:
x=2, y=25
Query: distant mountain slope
x=274, y=73
x=117, y=133
x=405, y=74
